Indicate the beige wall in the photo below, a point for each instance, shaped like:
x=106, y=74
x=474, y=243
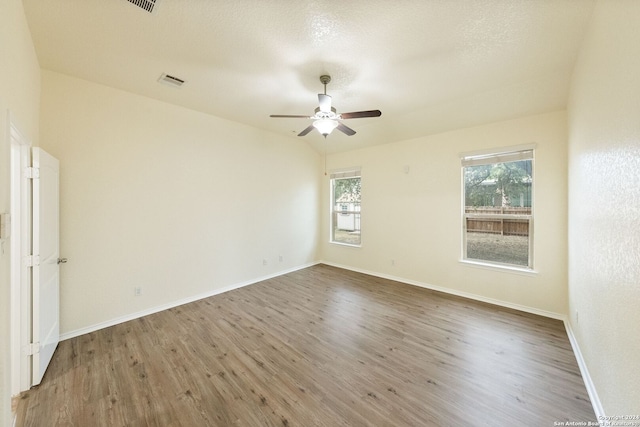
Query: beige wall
x=19, y=93
x=415, y=218
x=175, y=201
x=604, y=204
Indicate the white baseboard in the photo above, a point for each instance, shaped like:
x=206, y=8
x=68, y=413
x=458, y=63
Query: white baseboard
x=172, y=304
x=586, y=377
x=450, y=291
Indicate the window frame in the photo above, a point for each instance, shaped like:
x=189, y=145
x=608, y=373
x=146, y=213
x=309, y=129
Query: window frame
x=494, y=156
x=333, y=212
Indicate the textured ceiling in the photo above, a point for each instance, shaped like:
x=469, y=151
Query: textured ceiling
x=428, y=65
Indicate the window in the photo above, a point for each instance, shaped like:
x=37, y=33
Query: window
x=498, y=208
x=345, y=207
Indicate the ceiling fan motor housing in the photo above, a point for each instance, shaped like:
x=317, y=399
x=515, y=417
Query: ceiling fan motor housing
x=324, y=115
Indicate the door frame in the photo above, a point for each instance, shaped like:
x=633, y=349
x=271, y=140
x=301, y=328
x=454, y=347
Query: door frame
x=20, y=290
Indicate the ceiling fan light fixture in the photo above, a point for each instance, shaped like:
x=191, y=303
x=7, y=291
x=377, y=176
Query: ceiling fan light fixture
x=325, y=126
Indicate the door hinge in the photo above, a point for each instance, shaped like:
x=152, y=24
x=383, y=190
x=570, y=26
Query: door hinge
x=32, y=173
x=32, y=260
x=31, y=349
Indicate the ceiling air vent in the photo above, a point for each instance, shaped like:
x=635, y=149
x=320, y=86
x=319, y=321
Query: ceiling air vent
x=170, y=80
x=147, y=5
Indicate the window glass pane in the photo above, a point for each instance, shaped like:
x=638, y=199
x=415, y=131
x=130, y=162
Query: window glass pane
x=345, y=217
x=495, y=247
x=498, y=211
x=497, y=185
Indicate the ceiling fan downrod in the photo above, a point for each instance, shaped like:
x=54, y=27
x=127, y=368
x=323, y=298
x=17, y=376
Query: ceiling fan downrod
x=325, y=79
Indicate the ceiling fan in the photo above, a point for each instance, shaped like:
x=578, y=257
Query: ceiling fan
x=326, y=119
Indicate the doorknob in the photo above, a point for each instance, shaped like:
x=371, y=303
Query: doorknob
x=62, y=260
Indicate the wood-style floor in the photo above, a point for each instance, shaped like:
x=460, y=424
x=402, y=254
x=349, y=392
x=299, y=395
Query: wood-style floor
x=318, y=347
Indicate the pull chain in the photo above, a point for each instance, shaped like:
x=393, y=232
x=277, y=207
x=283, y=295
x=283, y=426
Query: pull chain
x=325, y=161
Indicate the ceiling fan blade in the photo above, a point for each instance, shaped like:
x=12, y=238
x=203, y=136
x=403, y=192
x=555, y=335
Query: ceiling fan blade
x=361, y=114
x=289, y=116
x=306, y=130
x=325, y=103
x=345, y=129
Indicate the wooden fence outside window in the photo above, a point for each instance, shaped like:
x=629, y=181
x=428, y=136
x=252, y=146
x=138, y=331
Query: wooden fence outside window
x=506, y=221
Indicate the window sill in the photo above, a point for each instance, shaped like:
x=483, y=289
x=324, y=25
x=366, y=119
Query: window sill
x=497, y=267
x=349, y=245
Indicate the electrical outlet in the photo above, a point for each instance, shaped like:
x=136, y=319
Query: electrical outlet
x=265, y=261
x=577, y=318
x=280, y=258
x=393, y=262
x=137, y=291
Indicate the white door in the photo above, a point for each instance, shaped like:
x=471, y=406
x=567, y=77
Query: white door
x=46, y=271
